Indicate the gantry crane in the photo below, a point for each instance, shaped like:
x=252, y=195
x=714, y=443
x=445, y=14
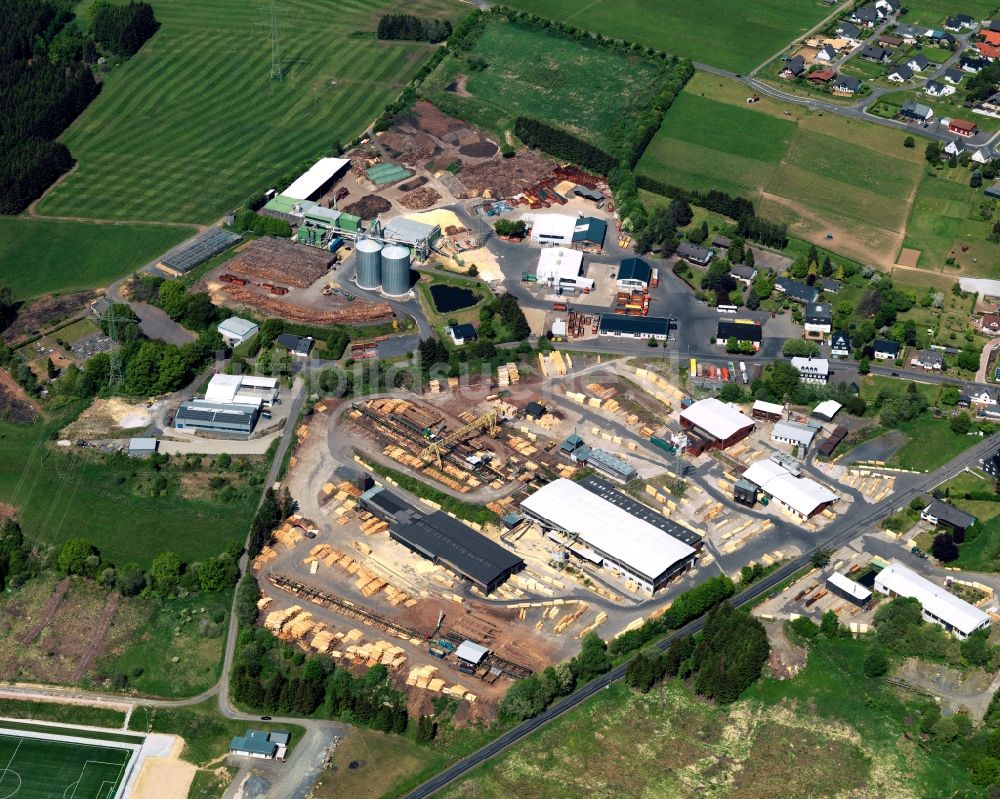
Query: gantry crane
x=488, y=421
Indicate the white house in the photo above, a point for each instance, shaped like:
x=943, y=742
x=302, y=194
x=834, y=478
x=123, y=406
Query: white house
x=928, y=359
x=827, y=54
x=235, y=331
x=955, y=147
x=813, y=370
x=885, y=350
x=935, y=89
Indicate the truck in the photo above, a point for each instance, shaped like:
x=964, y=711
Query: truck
x=437, y=652
x=527, y=277
x=655, y=278
x=558, y=306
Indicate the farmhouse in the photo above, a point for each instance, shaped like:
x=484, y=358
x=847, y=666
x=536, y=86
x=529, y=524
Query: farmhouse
x=899, y=73
x=802, y=497
x=873, y=52
x=633, y=275
x=928, y=359
x=840, y=345
x=813, y=370
x=260, y=745
x=655, y=327
x=794, y=67
x=743, y=332
x=461, y=334
x=444, y=540
x=846, y=588
x=716, y=424
x=800, y=292
x=235, y=331
x=846, y=86
x=695, y=253
x=963, y=127
x=818, y=319
x=885, y=350
x=942, y=514
x=561, y=266
x=770, y=411
x=608, y=529
x=795, y=434
x=939, y=605
x=242, y=389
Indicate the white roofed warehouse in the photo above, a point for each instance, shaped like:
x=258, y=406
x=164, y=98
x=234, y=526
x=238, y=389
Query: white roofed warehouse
x=610, y=530
x=315, y=181
x=939, y=605
x=561, y=266
x=235, y=331
x=802, y=497
x=715, y=424
x=552, y=228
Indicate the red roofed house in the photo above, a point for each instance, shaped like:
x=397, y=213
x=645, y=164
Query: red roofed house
x=989, y=51
x=963, y=127
x=821, y=76
x=992, y=37
x=990, y=323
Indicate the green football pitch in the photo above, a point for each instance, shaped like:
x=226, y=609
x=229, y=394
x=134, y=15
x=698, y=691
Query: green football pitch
x=40, y=768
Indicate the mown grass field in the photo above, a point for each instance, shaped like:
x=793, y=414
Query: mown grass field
x=934, y=12
x=932, y=444
x=827, y=732
x=584, y=88
x=38, y=256
x=192, y=124
x=715, y=32
x=845, y=185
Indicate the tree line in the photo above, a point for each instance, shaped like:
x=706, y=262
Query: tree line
x=122, y=29
x=408, y=28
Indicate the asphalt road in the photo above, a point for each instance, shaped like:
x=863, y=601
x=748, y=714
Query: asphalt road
x=839, y=535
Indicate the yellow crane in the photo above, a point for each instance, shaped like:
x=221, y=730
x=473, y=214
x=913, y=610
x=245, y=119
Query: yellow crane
x=488, y=421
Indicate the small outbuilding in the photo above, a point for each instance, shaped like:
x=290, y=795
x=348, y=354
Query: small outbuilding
x=846, y=588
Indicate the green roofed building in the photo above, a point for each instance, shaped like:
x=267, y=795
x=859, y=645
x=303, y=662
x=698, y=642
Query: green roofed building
x=260, y=744
x=287, y=208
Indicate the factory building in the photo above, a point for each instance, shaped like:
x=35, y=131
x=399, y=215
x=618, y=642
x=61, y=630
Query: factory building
x=634, y=275
x=939, y=605
x=410, y=232
x=801, y=497
x=794, y=434
x=557, y=229
x=621, y=325
x=235, y=331
x=711, y=424
x=185, y=257
x=560, y=266
x=769, y=411
x=219, y=417
x=242, y=389
x=590, y=233
x=609, y=530
x=444, y=540
x=848, y=589
x=317, y=180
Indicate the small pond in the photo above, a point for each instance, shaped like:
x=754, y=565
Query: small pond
x=452, y=298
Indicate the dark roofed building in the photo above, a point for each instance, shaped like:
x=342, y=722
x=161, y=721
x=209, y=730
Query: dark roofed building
x=872, y=52
x=297, y=345
x=589, y=194
x=794, y=67
x=534, y=410
x=461, y=334
x=885, y=350
x=800, y=292
x=740, y=331
x=942, y=514
x=694, y=253
x=590, y=232
x=656, y=327
x=634, y=273
x=827, y=447
x=222, y=417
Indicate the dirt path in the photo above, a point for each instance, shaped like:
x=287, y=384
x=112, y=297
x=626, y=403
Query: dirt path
x=984, y=359
x=48, y=612
x=99, y=634
x=33, y=208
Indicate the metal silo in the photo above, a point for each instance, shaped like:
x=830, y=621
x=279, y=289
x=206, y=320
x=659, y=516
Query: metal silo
x=395, y=270
x=369, y=266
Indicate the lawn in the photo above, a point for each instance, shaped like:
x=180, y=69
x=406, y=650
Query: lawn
x=61, y=494
x=385, y=761
x=534, y=74
x=77, y=330
x=736, y=38
x=945, y=218
x=933, y=12
x=931, y=444
x=38, y=256
x=827, y=732
x=835, y=182
x=981, y=550
x=192, y=124
x=205, y=732
x=37, y=768
x=872, y=385
x=67, y=714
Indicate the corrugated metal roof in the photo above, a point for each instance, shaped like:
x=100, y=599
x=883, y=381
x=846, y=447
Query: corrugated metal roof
x=898, y=579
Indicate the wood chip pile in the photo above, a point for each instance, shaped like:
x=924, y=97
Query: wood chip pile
x=356, y=312
x=282, y=261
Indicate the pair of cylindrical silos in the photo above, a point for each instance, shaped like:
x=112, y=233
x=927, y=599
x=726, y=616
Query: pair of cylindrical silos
x=386, y=266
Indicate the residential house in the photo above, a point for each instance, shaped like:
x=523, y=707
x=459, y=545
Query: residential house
x=846, y=86
x=971, y=65
x=991, y=465
x=826, y=53
x=818, y=320
x=849, y=30
x=722, y=242
x=829, y=284
x=963, y=127
x=988, y=51
x=981, y=156
x=461, y=334
x=990, y=106
x=992, y=25
x=742, y=332
x=840, y=345
x=935, y=89
x=794, y=67
x=953, y=76
x=959, y=22
x=695, y=253
x=872, y=52
x=993, y=191
x=885, y=350
x=955, y=147
x=947, y=40
x=821, y=76
x=943, y=514
x=900, y=73
x=886, y=8
x=915, y=112
x=918, y=63
x=991, y=37
x=866, y=16
x=299, y=346
x=928, y=359
x=990, y=323
x=794, y=290
x=885, y=40
x=984, y=398
x=743, y=273
x=813, y=370
x=909, y=33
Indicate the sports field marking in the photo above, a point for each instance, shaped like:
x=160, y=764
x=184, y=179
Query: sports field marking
x=101, y=794
x=8, y=770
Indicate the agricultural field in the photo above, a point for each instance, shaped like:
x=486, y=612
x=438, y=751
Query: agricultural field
x=192, y=124
x=827, y=732
x=708, y=31
x=845, y=185
x=40, y=768
x=61, y=494
x=945, y=223
x=38, y=256
x=531, y=73
x=933, y=12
